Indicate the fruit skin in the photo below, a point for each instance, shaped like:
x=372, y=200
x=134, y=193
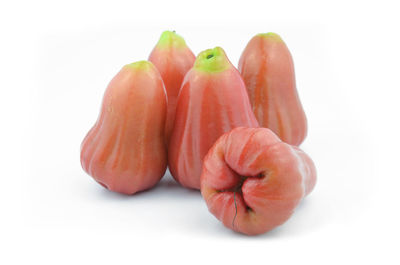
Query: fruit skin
x=173, y=59
x=213, y=100
x=265, y=176
x=267, y=69
x=125, y=150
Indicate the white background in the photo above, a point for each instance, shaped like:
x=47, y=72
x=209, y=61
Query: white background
x=56, y=60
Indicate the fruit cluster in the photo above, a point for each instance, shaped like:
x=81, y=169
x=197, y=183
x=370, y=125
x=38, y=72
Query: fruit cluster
x=231, y=133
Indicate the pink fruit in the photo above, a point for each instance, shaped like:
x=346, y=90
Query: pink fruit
x=267, y=69
x=252, y=181
x=125, y=150
x=173, y=59
x=213, y=100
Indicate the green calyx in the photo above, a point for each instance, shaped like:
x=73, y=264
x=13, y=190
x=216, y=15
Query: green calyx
x=140, y=65
x=170, y=39
x=212, y=61
x=270, y=36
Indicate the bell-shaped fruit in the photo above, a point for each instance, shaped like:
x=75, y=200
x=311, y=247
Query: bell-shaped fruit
x=267, y=69
x=173, y=59
x=125, y=150
x=213, y=100
x=252, y=181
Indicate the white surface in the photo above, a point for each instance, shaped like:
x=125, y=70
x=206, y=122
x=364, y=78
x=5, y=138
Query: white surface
x=56, y=61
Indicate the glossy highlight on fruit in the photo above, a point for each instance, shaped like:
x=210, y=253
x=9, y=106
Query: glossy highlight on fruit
x=252, y=181
x=213, y=100
x=173, y=59
x=125, y=150
x=267, y=69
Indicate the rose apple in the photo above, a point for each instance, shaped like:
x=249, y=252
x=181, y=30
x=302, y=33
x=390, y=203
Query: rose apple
x=173, y=59
x=267, y=69
x=213, y=100
x=125, y=150
x=252, y=181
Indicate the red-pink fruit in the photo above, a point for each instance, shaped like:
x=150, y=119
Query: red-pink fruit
x=267, y=69
x=125, y=150
x=173, y=59
x=213, y=100
x=252, y=181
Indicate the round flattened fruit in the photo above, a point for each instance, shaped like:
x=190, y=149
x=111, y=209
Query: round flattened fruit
x=252, y=181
